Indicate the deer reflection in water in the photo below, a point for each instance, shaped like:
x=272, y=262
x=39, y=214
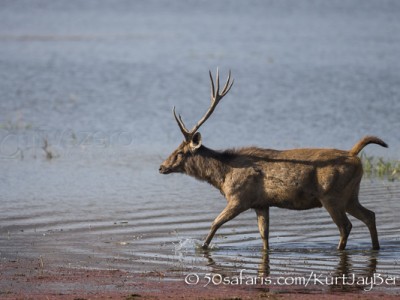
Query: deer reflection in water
x=346, y=276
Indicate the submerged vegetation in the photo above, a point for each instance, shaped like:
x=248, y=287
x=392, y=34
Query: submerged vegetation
x=47, y=149
x=380, y=167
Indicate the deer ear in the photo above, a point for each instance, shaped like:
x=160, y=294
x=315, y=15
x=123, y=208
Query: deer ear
x=195, y=143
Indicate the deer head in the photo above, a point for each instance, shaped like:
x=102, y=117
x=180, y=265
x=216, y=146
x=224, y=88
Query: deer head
x=192, y=142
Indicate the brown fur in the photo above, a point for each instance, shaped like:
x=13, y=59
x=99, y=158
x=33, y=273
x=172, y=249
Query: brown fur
x=295, y=179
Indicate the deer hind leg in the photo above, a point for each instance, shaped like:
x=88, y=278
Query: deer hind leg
x=367, y=217
x=229, y=212
x=339, y=216
x=263, y=225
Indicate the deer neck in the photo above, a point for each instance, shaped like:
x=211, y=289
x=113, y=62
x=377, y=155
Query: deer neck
x=207, y=165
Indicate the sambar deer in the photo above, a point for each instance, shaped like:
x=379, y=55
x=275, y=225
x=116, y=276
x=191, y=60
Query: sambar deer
x=260, y=178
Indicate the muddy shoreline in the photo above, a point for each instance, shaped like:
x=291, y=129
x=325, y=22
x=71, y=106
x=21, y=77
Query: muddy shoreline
x=36, y=279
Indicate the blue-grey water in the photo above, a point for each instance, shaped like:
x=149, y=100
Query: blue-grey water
x=98, y=79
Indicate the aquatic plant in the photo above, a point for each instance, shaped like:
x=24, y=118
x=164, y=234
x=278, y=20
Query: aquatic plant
x=47, y=149
x=380, y=167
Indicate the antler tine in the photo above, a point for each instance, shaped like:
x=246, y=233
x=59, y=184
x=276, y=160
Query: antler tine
x=182, y=126
x=228, y=84
x=212, y=85
x=217, y=79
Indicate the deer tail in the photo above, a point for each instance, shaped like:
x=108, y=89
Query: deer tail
x=364, y=142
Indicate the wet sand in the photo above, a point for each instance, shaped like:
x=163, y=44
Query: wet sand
x=60, y=283
x=27, y=279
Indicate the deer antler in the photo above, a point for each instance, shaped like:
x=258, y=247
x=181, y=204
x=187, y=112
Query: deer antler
x=182, y=126
x=216, y=96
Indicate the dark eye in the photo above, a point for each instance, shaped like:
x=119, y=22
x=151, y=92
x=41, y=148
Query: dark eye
x=179, y=155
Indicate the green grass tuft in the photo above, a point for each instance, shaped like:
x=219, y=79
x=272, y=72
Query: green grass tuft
x=380, y=167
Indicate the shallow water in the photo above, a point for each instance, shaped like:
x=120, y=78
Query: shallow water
x=98, y=80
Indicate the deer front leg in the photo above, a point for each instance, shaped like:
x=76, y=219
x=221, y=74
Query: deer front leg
x=229, y=212
x=263, y=225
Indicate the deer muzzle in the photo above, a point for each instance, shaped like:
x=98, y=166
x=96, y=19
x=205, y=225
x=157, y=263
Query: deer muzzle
x=164, y=170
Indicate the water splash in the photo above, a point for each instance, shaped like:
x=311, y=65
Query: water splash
x=188, y=245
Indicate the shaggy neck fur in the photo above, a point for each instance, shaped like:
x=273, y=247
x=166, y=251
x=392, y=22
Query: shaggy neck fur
x=208, y=165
